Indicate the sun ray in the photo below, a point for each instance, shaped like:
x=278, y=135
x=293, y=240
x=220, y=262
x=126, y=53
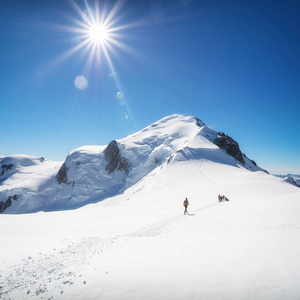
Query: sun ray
x=117, y=7
x=98, y=32
x=61, y=58
x=118, y=83
x=89, y=62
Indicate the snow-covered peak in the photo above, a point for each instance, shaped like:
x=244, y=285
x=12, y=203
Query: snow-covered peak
x=23, y=160
x=174, y=126
x=93, y=173
x=11, y=164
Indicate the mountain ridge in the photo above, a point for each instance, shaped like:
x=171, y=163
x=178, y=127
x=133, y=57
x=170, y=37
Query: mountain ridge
x=93, y=173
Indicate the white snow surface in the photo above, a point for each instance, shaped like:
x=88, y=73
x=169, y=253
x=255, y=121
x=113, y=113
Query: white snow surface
x=138, y=244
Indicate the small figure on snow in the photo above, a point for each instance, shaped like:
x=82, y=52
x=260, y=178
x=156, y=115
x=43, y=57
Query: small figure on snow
x=186, y=204
x=220, y=198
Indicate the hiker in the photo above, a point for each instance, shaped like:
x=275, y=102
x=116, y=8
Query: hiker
x=220, y=198
x=185, y=204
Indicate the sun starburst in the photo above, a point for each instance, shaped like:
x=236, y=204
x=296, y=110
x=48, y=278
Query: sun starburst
x=98, y=33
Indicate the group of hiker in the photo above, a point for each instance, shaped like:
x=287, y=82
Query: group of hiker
x=186, y=202
x=222, y=198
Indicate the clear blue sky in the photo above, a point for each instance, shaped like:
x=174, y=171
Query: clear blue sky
x=234, y=64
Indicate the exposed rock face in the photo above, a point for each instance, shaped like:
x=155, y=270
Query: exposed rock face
x=5, y=168
x=199, y=123
x=7, y=203
x=230, y=146
x=62, y=176
x=114, y=159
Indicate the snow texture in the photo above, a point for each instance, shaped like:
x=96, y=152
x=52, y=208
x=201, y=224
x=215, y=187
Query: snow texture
x=137, y=244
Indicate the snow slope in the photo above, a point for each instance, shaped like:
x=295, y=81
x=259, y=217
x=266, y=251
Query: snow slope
x=93, y=173
x=139, y=245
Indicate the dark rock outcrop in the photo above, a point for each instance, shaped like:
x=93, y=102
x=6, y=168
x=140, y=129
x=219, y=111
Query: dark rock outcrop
x=5, y=168
x=7, y=203
x=231, y=147
x=199, y=123
x=114, y=159
x=62, y=175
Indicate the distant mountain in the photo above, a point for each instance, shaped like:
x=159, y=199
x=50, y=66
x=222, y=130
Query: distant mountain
x=293, y=178
x=93, y=173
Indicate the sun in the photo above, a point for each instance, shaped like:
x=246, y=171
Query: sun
x=98, y=33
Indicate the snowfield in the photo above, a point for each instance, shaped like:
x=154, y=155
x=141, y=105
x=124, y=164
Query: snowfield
x=137, y=244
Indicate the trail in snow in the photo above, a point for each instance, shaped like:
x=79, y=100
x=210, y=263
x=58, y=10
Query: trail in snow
x=36, y=275
x=51, y=274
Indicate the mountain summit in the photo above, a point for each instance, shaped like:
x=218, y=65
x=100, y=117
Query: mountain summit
x=93, y=173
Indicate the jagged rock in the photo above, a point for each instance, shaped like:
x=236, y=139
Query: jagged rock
x=231, y=147
x=123, y=165
x=114, y=159
x=62, y=176
x=7, y=203
x=5, y=168
x=112, y=153
x=199, y=123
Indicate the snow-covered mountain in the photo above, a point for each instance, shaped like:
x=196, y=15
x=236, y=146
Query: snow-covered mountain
x=93, y=173
x=293, y=178
x=137, y=243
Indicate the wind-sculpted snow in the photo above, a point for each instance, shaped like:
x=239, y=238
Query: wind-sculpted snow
x=93, y=173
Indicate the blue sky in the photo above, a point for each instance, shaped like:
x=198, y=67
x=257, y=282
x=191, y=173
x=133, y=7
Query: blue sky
x=234, y=64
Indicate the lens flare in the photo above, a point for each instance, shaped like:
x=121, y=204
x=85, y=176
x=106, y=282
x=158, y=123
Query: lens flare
x=97, y=34
x=119, y=95
x=81, y=82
